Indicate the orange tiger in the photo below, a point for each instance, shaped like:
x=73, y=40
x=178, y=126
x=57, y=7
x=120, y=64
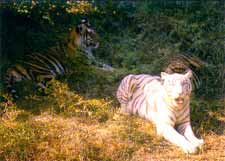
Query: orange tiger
x=46, y=65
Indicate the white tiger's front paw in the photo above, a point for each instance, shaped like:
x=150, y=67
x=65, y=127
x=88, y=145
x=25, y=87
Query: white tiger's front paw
x=199, y=142
x=189, y=148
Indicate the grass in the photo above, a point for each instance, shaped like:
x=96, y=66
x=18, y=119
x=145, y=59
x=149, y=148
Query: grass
x=65, y=125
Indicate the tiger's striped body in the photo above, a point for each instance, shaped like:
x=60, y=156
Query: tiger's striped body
x=39, y=69
x=44, y=66
x=165, y=102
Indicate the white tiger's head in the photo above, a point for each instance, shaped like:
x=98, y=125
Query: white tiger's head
x=178, y=87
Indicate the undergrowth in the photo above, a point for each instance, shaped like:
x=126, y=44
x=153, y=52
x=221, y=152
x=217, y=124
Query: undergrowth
x=67, y=126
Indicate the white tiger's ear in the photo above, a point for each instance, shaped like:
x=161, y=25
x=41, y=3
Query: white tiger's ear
x=188, y=74
x=164, y=75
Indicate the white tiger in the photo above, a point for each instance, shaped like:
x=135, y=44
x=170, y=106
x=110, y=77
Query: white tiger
x=164, y=101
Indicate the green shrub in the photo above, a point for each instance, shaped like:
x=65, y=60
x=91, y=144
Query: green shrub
x=137, y=36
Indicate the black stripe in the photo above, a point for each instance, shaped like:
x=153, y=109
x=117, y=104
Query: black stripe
x=184, y=114
x=172, y=118
x=58, y=63
x=53, y=64
x=139, y=80
x=17, y=70
x=37, y=67
x=137, y=99
x=36, y=58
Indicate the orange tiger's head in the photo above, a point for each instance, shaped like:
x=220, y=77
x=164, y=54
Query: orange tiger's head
x=178, y=87
x=83, y=36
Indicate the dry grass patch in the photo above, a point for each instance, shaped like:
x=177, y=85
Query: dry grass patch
x=67, y=126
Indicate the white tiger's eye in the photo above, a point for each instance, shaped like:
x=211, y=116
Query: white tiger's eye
x=186, y=85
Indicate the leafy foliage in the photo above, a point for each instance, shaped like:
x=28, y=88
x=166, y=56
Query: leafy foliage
x=158, y=31
x=137, y=36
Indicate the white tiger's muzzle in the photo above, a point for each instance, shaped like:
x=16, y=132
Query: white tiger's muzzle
x=180, y=101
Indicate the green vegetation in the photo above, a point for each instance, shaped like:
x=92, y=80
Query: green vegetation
x=78, y=118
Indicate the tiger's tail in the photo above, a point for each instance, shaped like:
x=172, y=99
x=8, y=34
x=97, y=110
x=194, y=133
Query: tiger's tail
x=126, y=89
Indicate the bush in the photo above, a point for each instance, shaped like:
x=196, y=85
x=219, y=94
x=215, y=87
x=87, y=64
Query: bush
x=137, y=36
